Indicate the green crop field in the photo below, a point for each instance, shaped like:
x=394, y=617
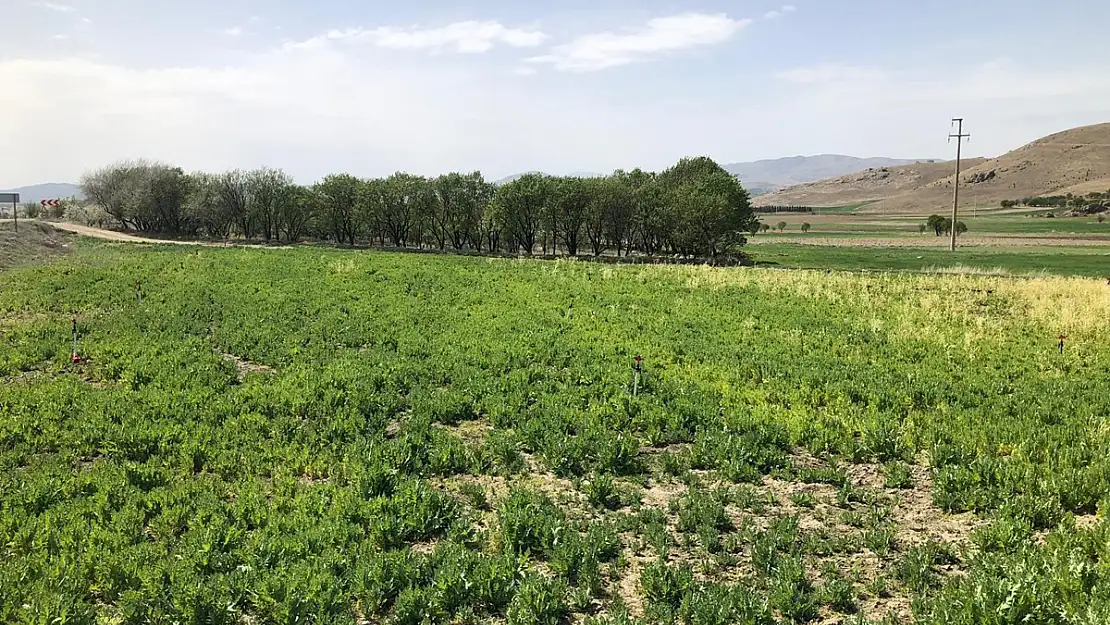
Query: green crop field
x=1092, y=261
x=325, y=436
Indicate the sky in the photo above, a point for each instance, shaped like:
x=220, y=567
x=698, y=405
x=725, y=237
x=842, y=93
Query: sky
x=503, y=86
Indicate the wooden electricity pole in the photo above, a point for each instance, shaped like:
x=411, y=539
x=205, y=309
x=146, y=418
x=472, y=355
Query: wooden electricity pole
x=959, y=137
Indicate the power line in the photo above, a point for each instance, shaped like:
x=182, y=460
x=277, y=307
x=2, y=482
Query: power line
x=959, y=137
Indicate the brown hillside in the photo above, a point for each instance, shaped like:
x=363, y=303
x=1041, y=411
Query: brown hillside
x=1070, y=161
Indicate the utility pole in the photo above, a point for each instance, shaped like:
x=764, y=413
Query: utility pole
x=959, y=137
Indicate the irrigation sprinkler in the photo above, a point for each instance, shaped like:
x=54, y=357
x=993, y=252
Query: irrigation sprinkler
x=76, y=359
x=139, y=291
x=636, y=376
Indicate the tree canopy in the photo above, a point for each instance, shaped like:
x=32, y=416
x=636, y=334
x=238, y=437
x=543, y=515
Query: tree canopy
x=694, y=209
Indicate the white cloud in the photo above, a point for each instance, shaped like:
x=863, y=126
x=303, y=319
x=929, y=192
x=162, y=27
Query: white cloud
x=469, y=37
x=314, y=112
x=370, y=112
x=60, y=37
x=524, y=71
x=659, y=36
x=234, y=31
x=782, y=11
x=61, y=8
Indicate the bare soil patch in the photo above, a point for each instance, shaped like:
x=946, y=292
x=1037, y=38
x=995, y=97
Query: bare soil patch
x=245, y=367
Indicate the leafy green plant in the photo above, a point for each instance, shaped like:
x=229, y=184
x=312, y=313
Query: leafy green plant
x=475, y=494
x=602, y=492
x=803, y=499
x=896, y=474
x=538, y=601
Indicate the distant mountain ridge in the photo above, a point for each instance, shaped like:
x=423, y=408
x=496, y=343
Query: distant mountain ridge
x=758, y=177
x=769, y=175
x=573, y=174
x=1073, y=161
x=49, y=191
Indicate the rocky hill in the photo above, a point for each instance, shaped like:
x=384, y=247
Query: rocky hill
x=1073, y=161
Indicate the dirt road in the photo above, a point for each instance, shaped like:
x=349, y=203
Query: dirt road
x=123, y=237
x=112, y=235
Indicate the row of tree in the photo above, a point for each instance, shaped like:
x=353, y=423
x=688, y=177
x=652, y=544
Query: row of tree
x=695, y=208
x=1060, y=201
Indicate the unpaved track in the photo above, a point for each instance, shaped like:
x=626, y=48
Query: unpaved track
x=112, y=235
x=123, y=237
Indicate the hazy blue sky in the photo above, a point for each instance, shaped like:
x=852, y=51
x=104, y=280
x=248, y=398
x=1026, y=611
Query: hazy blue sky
x=507, y=86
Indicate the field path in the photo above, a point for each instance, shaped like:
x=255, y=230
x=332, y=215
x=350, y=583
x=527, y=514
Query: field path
x=112, y=235
x=123, y=237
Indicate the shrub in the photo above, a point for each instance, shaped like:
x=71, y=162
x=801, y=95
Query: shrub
x=791, y=591
x=475, y=494
x=837, y=593
x=601, y=492
x=502, y=452
x=719, y=604
x=665, y=585
x=538, y=601
x=1004, y=534
x=897, y=474
x=916, y=567
x=530, y=523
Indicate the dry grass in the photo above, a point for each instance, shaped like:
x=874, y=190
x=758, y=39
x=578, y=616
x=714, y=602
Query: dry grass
x=245, y=367
x=33, y=242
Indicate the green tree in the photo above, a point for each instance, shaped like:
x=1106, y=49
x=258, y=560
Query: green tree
x=204, y=208
x=143, y=195
x=572, y=202
x=340, y=196
x=712, y=210
x=781, y=226
x=620, y=209
x=158, y=198
x=521, y=207
x=610, y=213
x=296, y=212
x=270, y=192
x=456, y=216
x=111, y=188
x=233, y=195
x=937, y=224
x=654, y=219
x=805, y=227
x=405, y=201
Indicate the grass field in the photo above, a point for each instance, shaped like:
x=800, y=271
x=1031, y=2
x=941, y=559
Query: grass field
x=325, y=436
x=1088, y=261
x=1014, y=243
x=1087, y=227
